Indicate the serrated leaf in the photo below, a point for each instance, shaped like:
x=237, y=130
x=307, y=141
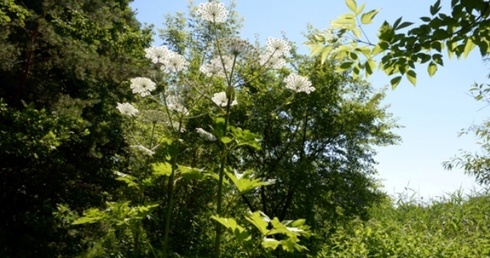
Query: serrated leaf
x=270, y=243
x=367, y=18
x=352, y=5
x=258, y=221
x=432, y=68
x=92, y=215
x=162, y=169
x=395, y=81
x=412, y=77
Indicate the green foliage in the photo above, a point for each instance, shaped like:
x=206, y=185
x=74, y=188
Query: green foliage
x=476, y=164
x=449, y=227
x=62, y=65
x=400, y=48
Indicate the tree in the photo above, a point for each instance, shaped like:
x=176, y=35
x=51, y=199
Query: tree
x=398, y=51
x=64, y=62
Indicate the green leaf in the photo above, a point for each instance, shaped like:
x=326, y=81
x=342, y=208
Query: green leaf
x=412, y=77
x=162, y=169
x=270, y=243
x=316, y=49
x=404, y=25
x=191, y=173
x=368, y=17
x=91, y=215
x=395, y=81
x=245, y=184
x=326, y=51
x=360, y=9
x=226, y=139
x=432, y=69
x=352, y=5
x=469, y=46
x=240, y=233
x=128, y=179
x=259, y=222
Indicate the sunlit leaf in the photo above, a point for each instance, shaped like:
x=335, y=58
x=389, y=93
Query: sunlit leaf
x=367, y=18
x=412, y=77
x=395, y=81
x=352, y=5
x=432, y=68
x=162, y=169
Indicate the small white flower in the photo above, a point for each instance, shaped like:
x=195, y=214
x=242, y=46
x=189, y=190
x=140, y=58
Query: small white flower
x=213, y=12
x=143, y=149
x=127, y=109
x=157, y=54
x=221, y=100
x=298, y=83
x=205, y=134
x=142, y=86
x=217, y=66
x=278, y=47
x=174, y=62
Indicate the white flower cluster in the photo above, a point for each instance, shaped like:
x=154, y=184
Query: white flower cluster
x=127, y=109
x=298, y=83
x=217, y=66
x=170, y=60
x=236, y=46
x=205, y=134
x=142, y=86
x=278, y=47
x=213, y=12
x=174, y=103
x=157, y=55
x=221, y=100
x=276, y=50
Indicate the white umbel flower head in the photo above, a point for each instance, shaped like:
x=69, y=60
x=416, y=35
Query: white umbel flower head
x=236, y=46
x=142, y=86
x=127, y=109
x=217, y=66
x=270, y=61
x=221, y=100
x=298, y=83
x=175, y=62
x=174, y=103
x=205, y=134
x=278, y=47
x=157, y=55
x=213, y=12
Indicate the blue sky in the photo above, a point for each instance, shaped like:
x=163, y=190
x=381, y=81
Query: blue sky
x=432, y=113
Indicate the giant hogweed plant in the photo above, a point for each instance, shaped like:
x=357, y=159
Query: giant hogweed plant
x=183, y=87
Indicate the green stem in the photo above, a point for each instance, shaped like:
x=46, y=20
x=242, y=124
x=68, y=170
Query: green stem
x=224, y=154
x=170, y=191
